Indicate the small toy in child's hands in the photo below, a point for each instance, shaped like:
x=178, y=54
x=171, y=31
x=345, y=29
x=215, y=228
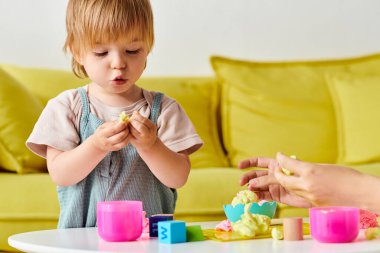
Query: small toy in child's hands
x=123, y=117
x=286, y=171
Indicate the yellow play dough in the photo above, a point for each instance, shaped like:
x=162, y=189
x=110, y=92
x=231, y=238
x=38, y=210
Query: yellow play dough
x=251, y=224
x=123, y=117
x=244, y=197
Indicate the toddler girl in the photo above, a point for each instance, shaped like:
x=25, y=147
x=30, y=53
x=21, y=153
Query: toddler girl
x=90, y=154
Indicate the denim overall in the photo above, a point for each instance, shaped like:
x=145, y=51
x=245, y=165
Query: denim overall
x=121, y=175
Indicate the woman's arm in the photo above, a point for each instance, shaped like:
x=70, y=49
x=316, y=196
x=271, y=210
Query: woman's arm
x=328, y=185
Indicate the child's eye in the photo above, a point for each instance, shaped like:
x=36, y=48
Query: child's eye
x=133, y=51
x=100, y=54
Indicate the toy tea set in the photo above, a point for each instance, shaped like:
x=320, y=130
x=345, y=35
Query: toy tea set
x=247, y=218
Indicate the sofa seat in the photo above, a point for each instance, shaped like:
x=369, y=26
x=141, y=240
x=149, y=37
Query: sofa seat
x=28, y=202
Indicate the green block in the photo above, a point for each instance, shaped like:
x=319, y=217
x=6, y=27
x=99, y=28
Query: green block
x=194, y=233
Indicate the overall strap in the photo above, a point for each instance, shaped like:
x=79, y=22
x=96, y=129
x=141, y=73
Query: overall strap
x=156, y=107
x=85, y=107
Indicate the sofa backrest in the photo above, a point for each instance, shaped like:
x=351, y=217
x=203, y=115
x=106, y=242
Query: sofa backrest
x=282, y=106
x=265, y=107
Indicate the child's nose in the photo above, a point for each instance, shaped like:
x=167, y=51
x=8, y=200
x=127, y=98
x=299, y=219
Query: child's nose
x=118, y=62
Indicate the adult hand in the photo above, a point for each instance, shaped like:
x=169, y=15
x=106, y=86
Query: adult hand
x=265, y=184
x=321, y=184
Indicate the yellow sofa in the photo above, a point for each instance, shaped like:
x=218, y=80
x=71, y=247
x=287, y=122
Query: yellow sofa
x=246, y=109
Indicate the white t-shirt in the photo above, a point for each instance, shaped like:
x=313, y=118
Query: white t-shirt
x=58, y=124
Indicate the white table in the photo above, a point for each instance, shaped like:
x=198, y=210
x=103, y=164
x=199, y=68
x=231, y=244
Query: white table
x=86, y=240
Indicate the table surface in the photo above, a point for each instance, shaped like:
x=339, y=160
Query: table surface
x=86, y=240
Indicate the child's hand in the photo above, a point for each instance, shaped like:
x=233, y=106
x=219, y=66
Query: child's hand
x=111, y=136
x=143, y=131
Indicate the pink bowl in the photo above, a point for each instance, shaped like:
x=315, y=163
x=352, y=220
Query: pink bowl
x=334, y=224
x=119, y=221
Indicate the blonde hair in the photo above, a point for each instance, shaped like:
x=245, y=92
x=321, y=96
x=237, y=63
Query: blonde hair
x=89, y=22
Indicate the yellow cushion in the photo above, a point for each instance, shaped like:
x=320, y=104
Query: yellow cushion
x=44, y=83
x=357, y=104
x=19, y=111
x=281, y=106
x=199, y=98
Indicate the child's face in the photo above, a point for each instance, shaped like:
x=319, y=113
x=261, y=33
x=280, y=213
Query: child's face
x=115, y=67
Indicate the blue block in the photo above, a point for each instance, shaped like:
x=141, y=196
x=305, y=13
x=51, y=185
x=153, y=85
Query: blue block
x=171, y=231
x=154, y=219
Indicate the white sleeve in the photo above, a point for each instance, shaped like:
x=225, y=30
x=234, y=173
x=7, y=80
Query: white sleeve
x=175, y=129
x=57, y=125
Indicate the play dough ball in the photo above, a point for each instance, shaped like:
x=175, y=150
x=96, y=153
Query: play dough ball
x=372, y=233
x=123, y=117
x=277, y=234
x=286, y=171
x=244, y=197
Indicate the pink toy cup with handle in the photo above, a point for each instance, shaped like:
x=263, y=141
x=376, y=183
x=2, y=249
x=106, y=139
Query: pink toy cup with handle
x=336, y=224
x=119, y=221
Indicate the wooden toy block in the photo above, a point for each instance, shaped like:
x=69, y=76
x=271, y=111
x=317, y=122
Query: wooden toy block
x=171, y=231
x=293, y=229
x=194, y=233
x=154, y=219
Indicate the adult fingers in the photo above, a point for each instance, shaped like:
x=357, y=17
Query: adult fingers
x=252, y=174
x=260, y=162
x=289, y=182
x=265, y=195
x=262, y=183
x=292, y=165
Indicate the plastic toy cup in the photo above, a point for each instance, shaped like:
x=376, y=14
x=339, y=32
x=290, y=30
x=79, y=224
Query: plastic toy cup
x=119, y=221
x=334, y=224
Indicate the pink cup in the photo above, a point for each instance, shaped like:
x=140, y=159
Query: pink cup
x=334, y=224
x=119, y=221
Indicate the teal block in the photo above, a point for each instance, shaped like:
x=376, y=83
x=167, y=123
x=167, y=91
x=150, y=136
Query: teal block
x=171, y=231
x=194, y=233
